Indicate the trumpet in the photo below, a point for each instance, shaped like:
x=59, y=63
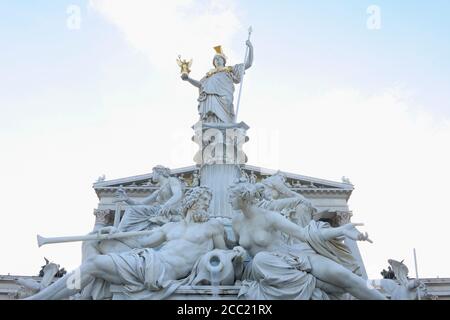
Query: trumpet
x=91, y=237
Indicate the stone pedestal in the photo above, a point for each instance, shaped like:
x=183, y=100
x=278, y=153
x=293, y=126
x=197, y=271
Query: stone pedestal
x=218, y=177
x=220, y=158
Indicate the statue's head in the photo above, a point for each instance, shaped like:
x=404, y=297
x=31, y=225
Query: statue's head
x=268, y=192
x=263, y=191
x=160, y=171
x=219, y=59
x=274, y=185
x=242, y=194
x=195, y=204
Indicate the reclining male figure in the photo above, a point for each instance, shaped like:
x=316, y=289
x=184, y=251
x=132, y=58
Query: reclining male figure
x=182, y=244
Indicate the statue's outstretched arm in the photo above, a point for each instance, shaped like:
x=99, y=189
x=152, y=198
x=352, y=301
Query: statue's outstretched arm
x=150, y=199
x=219, y=242
x=249, y=61
x=177, y=195
x=284, y=190
x=347, y=230
x=177, y=191
x=195, y=83
x=284, y=225
x=121, y=196
x=218, y=234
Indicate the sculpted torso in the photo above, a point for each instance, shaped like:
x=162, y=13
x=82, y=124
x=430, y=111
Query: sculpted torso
x=255, y=234
x=186, y=242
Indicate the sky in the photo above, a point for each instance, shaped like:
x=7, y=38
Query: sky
x=356, y=88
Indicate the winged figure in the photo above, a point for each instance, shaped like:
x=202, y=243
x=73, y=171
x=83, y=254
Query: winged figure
x=184, y=65
x=402, y=288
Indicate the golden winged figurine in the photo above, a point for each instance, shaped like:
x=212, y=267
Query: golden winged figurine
x=184, y=65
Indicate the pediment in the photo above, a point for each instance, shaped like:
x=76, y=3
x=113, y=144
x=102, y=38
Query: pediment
x=297, y=182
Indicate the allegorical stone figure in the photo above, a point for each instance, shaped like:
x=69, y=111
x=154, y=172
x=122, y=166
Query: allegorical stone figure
x=401, y=287
x=150, y=273
x=157, y=208
x=277, y=196
x=281, y=271
x=216, y=88
x=160, y=207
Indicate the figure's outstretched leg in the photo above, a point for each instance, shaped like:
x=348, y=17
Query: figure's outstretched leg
x=329, y=288
x=63, y=287
x=92, y=249
x=98, y=267
x=335, y=274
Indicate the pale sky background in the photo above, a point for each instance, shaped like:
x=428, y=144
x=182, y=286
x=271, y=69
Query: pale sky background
x=326, y=97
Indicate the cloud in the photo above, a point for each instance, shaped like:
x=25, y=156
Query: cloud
x=163, y=29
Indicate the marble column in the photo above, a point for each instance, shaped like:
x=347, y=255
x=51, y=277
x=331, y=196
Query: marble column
x=220, y=158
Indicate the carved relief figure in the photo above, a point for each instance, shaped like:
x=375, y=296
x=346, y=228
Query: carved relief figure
x=252, y=177
x=195, y=179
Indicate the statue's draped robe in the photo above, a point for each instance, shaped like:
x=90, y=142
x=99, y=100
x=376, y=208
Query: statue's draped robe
x=143, y=274
x=282, y=275
x=216, y=95
x=136, y=218
x=285, y=274
x=335, y=250
x=146, y=217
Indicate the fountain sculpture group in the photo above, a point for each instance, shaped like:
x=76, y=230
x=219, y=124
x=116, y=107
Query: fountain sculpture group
x=219, y=227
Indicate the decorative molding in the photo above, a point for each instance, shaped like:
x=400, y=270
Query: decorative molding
x=103, y=216
x=343, y=217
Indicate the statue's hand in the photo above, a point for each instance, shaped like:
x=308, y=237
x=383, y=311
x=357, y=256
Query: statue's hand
x=184, y=76
x=107, y=230
x=240, y=253
x=158, y=220
x=249, y=43
x=349, y=230
x=165, y=210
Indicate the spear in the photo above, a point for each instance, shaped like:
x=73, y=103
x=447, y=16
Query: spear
x=417, y=273
x=250, y=30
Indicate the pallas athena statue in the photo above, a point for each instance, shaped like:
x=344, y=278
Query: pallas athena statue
x=216, y=88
